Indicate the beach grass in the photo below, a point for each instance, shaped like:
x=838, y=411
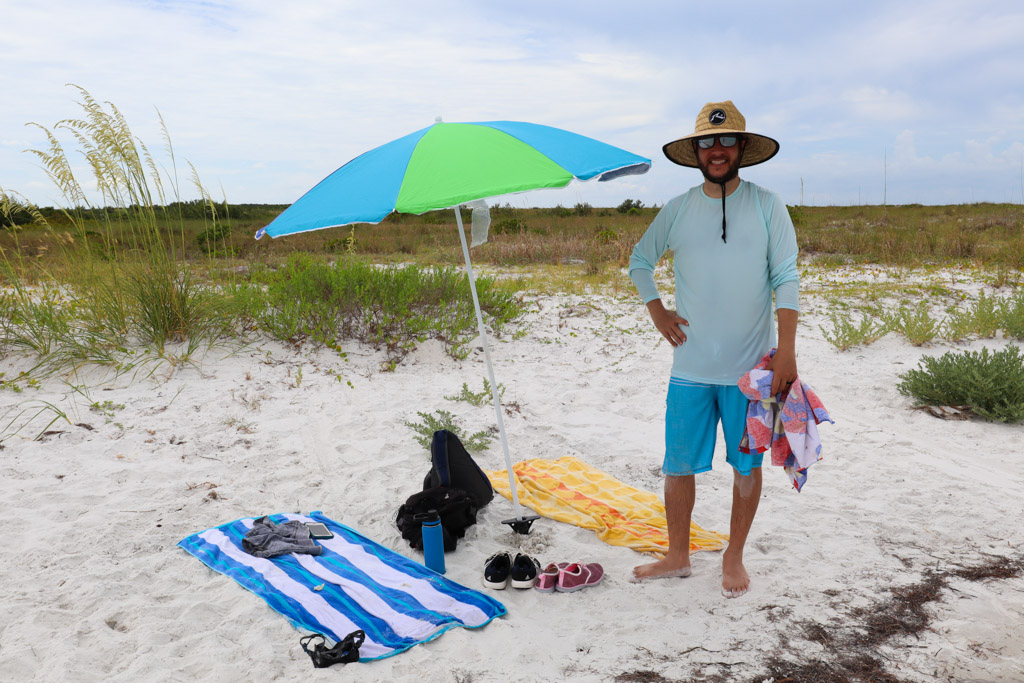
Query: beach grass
x=106, y=281
x=392, y=307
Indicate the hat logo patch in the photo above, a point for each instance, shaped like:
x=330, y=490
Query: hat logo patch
x=717, y=117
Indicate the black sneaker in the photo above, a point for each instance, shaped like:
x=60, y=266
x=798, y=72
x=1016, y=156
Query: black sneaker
x=496, y=570
x=524, y=571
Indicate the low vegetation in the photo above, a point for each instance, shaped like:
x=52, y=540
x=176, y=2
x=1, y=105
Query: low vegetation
x=982, y=318
x=390, y=308
x=983, y=235
x=478, y=398
x=990, y=385
x=844, y=333
x=150, y=277
x=442, y=419
x=912, y=235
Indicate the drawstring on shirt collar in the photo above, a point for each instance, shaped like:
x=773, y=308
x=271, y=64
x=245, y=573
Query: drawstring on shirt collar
x=722, y=185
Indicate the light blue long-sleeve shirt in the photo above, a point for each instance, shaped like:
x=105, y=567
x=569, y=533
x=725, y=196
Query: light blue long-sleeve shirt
x=723, y=289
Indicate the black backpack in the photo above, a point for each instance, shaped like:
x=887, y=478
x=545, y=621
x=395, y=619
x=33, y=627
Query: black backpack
x=454, y=467
x=456, y=508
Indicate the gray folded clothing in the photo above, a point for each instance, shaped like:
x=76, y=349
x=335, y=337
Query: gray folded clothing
x=267, y=539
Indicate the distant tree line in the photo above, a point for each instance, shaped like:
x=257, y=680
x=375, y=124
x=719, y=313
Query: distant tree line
x=194, y=209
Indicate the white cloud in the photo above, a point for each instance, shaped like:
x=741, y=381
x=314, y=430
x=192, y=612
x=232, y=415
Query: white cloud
x=880, y=104
x=269, y=97
x=904, y=150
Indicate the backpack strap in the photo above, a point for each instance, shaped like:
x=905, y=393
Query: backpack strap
x=440, y=465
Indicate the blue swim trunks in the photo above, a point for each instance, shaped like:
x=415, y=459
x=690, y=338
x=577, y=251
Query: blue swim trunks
x=692, y=413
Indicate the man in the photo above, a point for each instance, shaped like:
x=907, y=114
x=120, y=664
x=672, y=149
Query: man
x=733, y=244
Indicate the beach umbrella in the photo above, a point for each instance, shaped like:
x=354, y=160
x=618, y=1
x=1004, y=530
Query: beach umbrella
x=445, y=166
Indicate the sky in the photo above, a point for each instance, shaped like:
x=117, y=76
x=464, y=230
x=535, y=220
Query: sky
x=898, y=101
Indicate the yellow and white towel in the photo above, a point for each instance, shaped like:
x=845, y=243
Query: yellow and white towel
x=569, y=490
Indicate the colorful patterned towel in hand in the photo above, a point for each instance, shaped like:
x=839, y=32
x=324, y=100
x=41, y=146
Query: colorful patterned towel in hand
x=353, y=584
x=571, y=491
x=787, y=423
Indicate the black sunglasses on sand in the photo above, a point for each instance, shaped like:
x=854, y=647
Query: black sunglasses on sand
x=708, y=141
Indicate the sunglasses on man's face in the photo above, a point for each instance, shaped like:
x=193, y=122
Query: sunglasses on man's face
x=708, y=141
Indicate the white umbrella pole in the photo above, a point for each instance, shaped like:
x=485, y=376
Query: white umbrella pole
x=490, y=368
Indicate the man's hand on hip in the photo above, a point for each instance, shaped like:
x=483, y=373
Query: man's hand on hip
x=667, y=322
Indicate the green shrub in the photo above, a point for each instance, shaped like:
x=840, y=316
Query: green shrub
x=986, y=315
x=628, y=205
x=442, y=419
x=990, y=385
x=345, y=244
x=478, y=398
x=845, y=334
x=917, y=324
x=1011, y=315
x=213, y=240
x=919, y=327
x=959, y=324
x=582, y=209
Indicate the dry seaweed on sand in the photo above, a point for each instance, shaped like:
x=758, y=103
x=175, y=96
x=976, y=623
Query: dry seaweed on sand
x=851, y=649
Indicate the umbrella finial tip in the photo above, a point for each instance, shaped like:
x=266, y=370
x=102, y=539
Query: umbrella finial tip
x=437, y=119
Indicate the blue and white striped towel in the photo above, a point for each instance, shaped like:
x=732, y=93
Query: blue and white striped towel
x=397, y=602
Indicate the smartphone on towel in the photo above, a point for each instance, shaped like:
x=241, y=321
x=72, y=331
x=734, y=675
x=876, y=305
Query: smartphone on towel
x=319, y=530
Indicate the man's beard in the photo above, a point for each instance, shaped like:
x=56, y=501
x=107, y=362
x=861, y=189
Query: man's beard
x=732, y=172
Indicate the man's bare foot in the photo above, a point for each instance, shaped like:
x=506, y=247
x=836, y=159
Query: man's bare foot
x=662, y=569
x=735, y=580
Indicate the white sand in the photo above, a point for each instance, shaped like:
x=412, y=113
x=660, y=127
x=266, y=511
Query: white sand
x=94, y=587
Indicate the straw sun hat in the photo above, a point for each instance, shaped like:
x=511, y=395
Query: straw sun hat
x=721, y=118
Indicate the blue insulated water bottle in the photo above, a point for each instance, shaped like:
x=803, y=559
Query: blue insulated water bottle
x=433, y=541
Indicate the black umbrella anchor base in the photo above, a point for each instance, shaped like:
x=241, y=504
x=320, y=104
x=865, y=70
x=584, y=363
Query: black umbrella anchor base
x=521, y=525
